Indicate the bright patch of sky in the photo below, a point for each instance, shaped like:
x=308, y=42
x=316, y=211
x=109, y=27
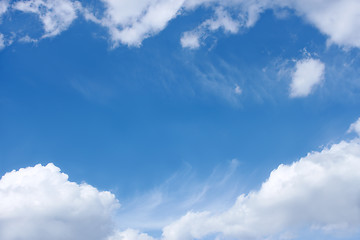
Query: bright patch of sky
x=179, y=119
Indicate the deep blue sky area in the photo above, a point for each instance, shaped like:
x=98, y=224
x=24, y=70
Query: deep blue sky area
x=131, y=116
x=181, y=107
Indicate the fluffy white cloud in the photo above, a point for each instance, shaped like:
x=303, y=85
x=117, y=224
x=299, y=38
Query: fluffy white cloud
x=339, y=20
x=191, y=39
x=40, y=203
x=321, y=191
x=55, y=15
x=355, y=127
x=308, y=73
x=130, y=22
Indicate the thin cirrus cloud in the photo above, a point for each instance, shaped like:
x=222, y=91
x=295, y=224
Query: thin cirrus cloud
x=308, y=74
x=129, y=22
x=319, y=192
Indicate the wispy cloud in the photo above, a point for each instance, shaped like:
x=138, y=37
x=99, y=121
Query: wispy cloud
x=92, y=90
x=180, y=193
x=222, y=80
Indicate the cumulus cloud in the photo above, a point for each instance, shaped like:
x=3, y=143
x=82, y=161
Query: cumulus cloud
x=308, y=73
x=339, y=20
x=320, y=191
x=41, y=203
x=355, y=127
x=191, y=39
x=130, y=22
x=55, y=15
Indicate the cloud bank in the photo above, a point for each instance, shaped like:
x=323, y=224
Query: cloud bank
x=129, y=22
x=319, y=192
x=40, y=203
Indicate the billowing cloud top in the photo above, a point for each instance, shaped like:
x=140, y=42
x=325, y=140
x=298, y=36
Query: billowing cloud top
x=40, y=203
x=319, y=191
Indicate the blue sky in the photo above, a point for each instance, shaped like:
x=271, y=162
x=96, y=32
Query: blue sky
x=178, y=108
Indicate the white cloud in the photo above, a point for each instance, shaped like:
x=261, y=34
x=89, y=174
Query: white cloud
x=28, y=39
x=222, y=20
x=308, y=73
x=130, y=234
x=238, y=90
x=130, y=22
x=190, y=40
x=2, y=41
x=319, y=191
x=55, y=15
x=4, y=4
x=355, y=127
x=339, y=20
x=40, y=203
